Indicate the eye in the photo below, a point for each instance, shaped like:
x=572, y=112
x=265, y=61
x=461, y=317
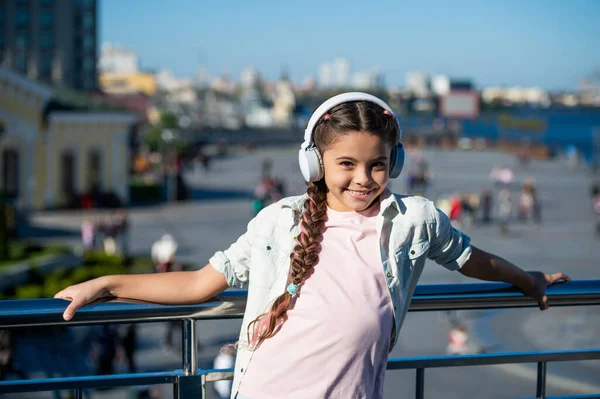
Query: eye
x=346, y=164
x=379, y=165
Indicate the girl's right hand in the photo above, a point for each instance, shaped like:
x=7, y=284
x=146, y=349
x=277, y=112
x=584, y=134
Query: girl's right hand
x=83, y=294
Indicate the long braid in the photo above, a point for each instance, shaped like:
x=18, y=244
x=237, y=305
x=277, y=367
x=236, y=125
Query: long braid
x=303, y=259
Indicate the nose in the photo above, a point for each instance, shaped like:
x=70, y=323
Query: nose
x=362, y=176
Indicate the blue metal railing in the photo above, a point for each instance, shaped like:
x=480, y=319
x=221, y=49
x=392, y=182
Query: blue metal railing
x=190, y=380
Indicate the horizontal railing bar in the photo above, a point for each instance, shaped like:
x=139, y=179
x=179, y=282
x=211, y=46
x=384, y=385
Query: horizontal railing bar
x=89, y=382
x=491, y=359
x=231, y=304
x=593, y=396
x=170, y=377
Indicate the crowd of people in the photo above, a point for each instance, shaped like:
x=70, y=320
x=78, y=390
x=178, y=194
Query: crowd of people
x=496, y=203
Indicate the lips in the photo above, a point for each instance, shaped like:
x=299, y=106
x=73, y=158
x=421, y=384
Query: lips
x=359, y=194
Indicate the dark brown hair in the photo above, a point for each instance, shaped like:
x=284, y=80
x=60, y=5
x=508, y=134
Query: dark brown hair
x=348, y=117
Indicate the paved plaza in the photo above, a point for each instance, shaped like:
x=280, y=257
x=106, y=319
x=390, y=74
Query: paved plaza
x=564, y=241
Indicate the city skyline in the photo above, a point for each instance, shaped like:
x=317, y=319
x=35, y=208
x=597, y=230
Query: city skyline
x=537, y=43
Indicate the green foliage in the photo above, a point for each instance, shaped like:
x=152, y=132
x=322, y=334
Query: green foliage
x=30, y=291
x=101, y=258
x=153, y=137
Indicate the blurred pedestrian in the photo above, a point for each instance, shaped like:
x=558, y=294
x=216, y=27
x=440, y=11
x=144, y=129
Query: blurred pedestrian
x=458, y=341
x=88, y=234
x=505, y=206
x=122, y=230
x=129, y=344
x=104, y=349
x=596, y=205
x=111, y=230
x=224, y=360
x=163, y=254
x=486, y=206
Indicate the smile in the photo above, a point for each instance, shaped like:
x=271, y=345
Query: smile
x=359, y=194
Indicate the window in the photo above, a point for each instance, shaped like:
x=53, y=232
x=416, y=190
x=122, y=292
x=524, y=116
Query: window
x=10, y=173
x=88, y=64
x=46, y=41
x=22, y=18
x=89, y=43
x=94, y=171
x=46, y=67
x=88, y=21
x=46, y=18
x=22, y=41
x=67, y=173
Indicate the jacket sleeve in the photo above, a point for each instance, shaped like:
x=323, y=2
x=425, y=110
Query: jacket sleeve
x=449, y=247
x=234, y=262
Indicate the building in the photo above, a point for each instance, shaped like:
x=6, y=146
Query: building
x=418, y=83
x=443, y=85
x=55, y=148
x=50, y=40
x=119, y=72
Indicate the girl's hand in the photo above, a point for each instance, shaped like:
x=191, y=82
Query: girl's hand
x=82, y=294
x=538, y=284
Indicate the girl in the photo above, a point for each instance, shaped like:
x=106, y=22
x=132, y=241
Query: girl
x=330, y=274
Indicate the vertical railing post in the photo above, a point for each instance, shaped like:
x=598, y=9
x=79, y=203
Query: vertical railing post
x=79, y=393
x=420, y=384
x=189, y=385
x=541, y=381
x=190, y=366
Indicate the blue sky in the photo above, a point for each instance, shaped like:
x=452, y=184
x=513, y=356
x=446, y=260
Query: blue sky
x=552, y=43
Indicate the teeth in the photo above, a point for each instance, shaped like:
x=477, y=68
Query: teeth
x=359, y=192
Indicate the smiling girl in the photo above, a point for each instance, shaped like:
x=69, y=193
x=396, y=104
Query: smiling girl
x=329, y=274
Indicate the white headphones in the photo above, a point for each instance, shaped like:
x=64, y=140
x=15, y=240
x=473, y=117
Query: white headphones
x=311, y=164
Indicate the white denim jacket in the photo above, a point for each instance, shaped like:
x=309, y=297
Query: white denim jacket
x=410, y=230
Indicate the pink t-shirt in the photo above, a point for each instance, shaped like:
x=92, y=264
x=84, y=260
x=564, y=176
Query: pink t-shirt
x=336, y=339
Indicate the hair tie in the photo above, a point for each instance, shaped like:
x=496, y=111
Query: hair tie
x=292, y=289
x=387, y=112
x=326, y=117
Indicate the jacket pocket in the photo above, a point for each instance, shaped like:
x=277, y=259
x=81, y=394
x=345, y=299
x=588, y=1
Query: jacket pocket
x=267, y=260
x=412, y=251
x=418, y=249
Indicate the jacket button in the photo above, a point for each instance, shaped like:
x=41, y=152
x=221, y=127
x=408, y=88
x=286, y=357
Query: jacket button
x=268, y=247
x=389, y=274
x=412, y=252
x=242, y=370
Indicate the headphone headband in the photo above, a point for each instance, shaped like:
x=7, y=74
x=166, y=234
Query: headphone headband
x=340, y=99
x=311, y=163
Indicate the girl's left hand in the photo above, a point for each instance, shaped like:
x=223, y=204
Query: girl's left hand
x=539, y=282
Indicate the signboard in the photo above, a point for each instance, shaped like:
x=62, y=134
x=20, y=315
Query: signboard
x=460, y=104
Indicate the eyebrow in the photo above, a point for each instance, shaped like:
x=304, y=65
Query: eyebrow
x=346, y=158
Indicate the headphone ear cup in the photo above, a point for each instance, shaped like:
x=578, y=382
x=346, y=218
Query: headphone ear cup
x=397, y=160
x=311, y=164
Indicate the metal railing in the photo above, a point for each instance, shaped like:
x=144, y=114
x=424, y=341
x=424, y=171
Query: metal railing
x=191, y=382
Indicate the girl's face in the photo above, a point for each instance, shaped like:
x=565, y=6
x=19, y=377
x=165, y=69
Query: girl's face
x=356, y=169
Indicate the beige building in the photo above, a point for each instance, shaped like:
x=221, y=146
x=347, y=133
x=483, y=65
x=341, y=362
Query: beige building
x=53, y=149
